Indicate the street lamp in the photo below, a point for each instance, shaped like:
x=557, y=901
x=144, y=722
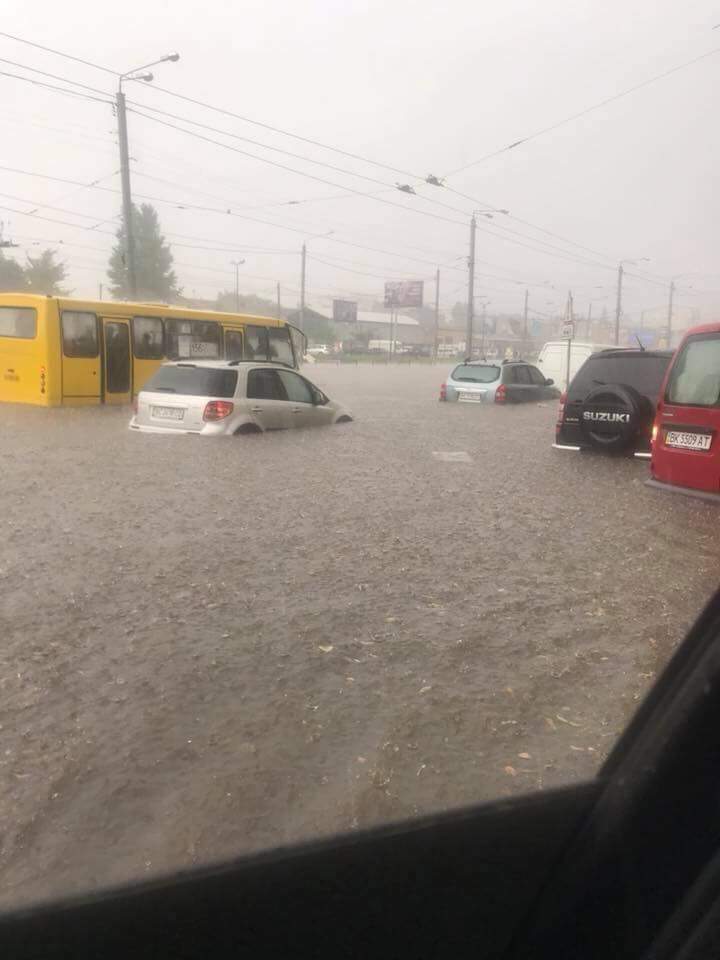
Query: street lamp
x=618, y=304
x=237, y=264
x=484, y=302
x=135, y=74
x=315, y=236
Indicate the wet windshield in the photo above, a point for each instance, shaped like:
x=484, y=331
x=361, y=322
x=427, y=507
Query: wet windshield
x=193, y=381
x=695, y=378
x=474, y=373
x=259, y=618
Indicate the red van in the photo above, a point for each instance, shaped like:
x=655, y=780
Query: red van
x=686, y=433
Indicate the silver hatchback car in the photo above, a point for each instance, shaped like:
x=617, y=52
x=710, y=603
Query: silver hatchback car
x=221, y=398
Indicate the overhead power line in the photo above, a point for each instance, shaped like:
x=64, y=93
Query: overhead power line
x=50, y=86
x=582, y=113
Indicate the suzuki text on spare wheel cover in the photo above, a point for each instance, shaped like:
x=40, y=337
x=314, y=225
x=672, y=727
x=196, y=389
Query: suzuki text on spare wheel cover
x=610, y=405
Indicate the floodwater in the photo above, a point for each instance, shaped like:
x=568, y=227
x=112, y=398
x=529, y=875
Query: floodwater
x=210, y=647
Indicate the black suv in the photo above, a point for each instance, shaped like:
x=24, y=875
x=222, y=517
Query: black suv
x=610, y=405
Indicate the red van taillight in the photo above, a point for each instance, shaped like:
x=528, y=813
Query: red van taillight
x=217, y=410
x=561, y=407
x=500, y=394
x=443, y=391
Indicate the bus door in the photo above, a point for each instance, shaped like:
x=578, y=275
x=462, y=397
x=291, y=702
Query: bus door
x=81, y=369
x=233, y=343
x=117, y=379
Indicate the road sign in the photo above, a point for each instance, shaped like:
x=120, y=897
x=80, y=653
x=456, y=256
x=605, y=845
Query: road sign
x=568, y=330
x=344, y=311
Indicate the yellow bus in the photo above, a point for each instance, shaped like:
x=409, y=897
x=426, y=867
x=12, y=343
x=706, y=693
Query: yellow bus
x=56, y=351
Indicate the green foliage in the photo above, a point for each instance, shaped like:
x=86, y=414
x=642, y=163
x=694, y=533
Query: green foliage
x=12, y=275
x=44, y=274
x=248, y=303
x=459, y=313
x=156, y=280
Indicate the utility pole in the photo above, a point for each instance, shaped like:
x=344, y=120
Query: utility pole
x=437, y=312
x=279, y=305
x=126, y=195
x=302, y=288
x=100, y=291
x=471, y=289
x=525, y=322
x=237, y=264
x=670, y=312
x=482, y=332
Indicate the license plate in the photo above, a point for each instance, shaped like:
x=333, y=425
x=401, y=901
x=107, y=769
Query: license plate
x=691, y=441
x=467, y=395
x=168, y=413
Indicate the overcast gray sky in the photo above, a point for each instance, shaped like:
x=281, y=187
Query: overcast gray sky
x=419, y=86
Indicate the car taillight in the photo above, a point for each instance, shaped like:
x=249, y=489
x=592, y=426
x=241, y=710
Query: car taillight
x=217, y=410
x=443, y=391
x=500, y=394
x=561, y=407
x=654, y=433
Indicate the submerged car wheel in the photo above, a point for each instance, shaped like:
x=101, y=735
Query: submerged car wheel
x=611, y=416
x=246, y=429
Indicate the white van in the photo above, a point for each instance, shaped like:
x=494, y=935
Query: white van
x=552, y=359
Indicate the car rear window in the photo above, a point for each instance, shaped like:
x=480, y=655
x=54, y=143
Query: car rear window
x=644, y=372
x=695, y=378
x=475, y=373
x=193, y=381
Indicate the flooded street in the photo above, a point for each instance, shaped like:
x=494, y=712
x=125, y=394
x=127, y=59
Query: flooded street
x=212, y=647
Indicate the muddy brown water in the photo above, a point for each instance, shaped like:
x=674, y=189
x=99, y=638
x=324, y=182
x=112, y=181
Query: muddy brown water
x=214, y=647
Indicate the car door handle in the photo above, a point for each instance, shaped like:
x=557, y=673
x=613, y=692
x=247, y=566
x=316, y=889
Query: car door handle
x=256, y=409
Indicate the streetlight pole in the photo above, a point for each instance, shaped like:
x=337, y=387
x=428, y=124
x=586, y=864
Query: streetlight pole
x=471, y=289
x=237, y=264
x=127, y=207
x=670, y=312
x=618, y=303
x=525, y=322
x=303, y=261
x=437, y=313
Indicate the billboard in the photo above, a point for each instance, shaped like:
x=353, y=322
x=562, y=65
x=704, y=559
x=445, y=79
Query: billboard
x=403, y=293
x=344, y=311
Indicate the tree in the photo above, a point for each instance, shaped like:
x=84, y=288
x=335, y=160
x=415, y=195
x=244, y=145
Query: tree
x=12, y=275
x=459, y=312
x=44, y=274
x=248, y=303
x=156, y=280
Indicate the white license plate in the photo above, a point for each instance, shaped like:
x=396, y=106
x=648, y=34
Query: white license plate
x=691, y=441
x=467, y=395
x=168, y=413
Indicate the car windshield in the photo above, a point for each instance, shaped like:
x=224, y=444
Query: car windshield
x=362, y=572
x=695, y=378
x=193, y=381
x=476, y=373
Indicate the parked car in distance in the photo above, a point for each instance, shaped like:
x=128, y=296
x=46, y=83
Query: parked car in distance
x=686, y=433
x=320, y=349
x=552, y=359
x=610, y=405
x=222, y=398
x=512, y=381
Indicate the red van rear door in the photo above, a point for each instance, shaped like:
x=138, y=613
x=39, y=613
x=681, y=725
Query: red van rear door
x=686, y=451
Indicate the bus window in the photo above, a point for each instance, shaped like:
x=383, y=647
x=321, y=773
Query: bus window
x=256, y=343
x=196, y=339
x=18, y=322
x=148, y=338
x=279, y=346
x=299, y=342
x=79, y=334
